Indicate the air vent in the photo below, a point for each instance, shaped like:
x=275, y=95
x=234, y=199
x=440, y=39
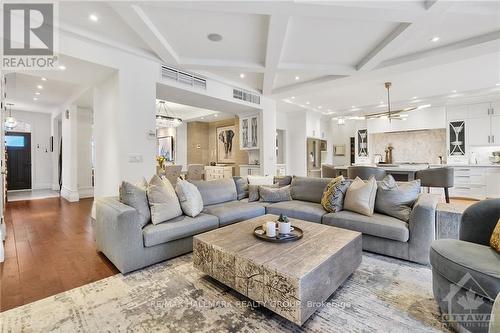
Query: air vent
x=246, y=96
x=189, y=79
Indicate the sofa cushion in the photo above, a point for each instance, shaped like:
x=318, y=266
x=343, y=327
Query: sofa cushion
x=303, y=210
x=254, y=191
x=269, y=194
x=163, y=200
x=241, y=187
x=376, y=225
x=134, y=195
x=454, y=258
x=396, y=199
x=189, y=197
x=260, y=180
x=308, y=189
x=234, y=211
x=180, y=227
x=260, y=203
x=360, y=196
x=283, y=180
x=216, y=191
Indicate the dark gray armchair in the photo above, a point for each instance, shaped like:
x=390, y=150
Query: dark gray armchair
x=466, y=272
x=365, y=172
x=437, y=177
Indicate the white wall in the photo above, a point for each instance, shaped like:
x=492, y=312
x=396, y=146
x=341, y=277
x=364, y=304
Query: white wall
x=69, y=189
x=296, y=138
x=41, y=158
x=84, y=152
x=268, y=137
x=181, y=146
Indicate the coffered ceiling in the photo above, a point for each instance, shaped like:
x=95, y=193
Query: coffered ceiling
x=325, y=52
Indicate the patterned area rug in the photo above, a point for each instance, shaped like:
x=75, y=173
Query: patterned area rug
x=383, y=295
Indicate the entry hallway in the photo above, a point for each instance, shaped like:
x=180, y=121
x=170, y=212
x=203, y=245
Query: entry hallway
x=49, y=249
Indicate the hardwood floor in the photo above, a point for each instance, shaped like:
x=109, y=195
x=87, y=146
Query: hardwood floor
x=49, y=249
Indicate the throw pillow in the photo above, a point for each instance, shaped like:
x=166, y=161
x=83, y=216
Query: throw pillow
x=253, y=191
x=495, y=238
x=135, y=196
x=396, y=199
x=163, y=201
x=260, y=180
x=333, y=197
x=189, y=197
x=241, y=187
x=283, y=180
x=360, y=196
x=271, y=194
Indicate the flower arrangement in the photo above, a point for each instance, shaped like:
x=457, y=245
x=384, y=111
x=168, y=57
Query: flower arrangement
x=161, y=161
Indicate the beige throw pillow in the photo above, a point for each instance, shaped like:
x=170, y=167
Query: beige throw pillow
x=360, y=196
x=163, y=201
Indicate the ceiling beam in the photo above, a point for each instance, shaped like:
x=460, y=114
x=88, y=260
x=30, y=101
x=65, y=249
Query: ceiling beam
x=138, y=20
x=222, y=64
x=333, y=69
x=309, y=83
x=276, y=35
x=403, y=33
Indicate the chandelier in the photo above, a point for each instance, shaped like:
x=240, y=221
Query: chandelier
x=165, y=117
x=10, y=122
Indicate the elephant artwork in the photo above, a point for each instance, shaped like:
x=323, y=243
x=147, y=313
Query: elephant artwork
x=225, y=138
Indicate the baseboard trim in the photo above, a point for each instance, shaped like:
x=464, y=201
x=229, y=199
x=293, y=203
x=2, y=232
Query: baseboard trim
x=86, y=192
x=70, y=195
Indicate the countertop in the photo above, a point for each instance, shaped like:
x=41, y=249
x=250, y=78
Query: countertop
x=410, y=168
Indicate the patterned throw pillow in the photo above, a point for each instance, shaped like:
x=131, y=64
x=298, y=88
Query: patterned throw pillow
x=495, y=238
x=270, y=194
x=333, y=197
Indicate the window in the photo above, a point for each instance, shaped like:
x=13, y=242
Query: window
x=14, y=141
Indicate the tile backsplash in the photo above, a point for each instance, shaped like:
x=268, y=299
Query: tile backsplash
x=412, y=146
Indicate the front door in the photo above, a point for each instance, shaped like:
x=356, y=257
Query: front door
x=18, y=147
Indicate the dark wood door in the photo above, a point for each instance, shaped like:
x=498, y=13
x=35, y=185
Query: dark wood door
x=18, y=147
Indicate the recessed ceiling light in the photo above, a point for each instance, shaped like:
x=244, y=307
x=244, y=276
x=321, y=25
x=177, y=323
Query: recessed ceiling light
x=454, y=91
x=43, y=78
x=214, y=37
x=62, y=67
x=37, y=93
x=93, y=17
x=297, y=78
x=381, y=102
x=242, y=75
x=39, y=86
x=308, y=103
x=202, y=118
x=216, y=115
x=435, y=39
x=498, y=84
x=35, y=99
x=414, y=97
x=320, y=107
x=353, y=106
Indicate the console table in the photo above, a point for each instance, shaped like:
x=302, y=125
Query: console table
x=218, y=172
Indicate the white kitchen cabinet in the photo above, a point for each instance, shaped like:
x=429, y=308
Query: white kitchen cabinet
x=249, y=170
x=479, y=110
x=457, y=112
x=249, y=132
x=478, y=130
x=493, y=183
x=495, y=127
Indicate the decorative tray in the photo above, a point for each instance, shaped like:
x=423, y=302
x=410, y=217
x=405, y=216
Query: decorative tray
x=294, y=235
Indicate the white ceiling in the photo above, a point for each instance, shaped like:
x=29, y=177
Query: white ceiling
x=342, y=51
x=190, y=113
x=59, y=87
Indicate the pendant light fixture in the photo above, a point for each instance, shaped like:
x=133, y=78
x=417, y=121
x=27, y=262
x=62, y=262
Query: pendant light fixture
x=166, y=118
x=10, y=122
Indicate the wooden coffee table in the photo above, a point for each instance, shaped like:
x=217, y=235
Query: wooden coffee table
x=292, y=279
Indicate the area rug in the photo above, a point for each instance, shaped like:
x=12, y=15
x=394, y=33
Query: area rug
x=383, y=295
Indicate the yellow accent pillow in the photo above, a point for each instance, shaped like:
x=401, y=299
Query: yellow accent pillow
x=495, y=237
x=325, y=200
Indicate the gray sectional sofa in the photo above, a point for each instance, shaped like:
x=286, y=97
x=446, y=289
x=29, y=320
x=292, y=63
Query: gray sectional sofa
x=130, y=246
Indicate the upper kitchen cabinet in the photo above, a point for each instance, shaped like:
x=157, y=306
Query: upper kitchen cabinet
x=484, y=124
x=249, y=132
